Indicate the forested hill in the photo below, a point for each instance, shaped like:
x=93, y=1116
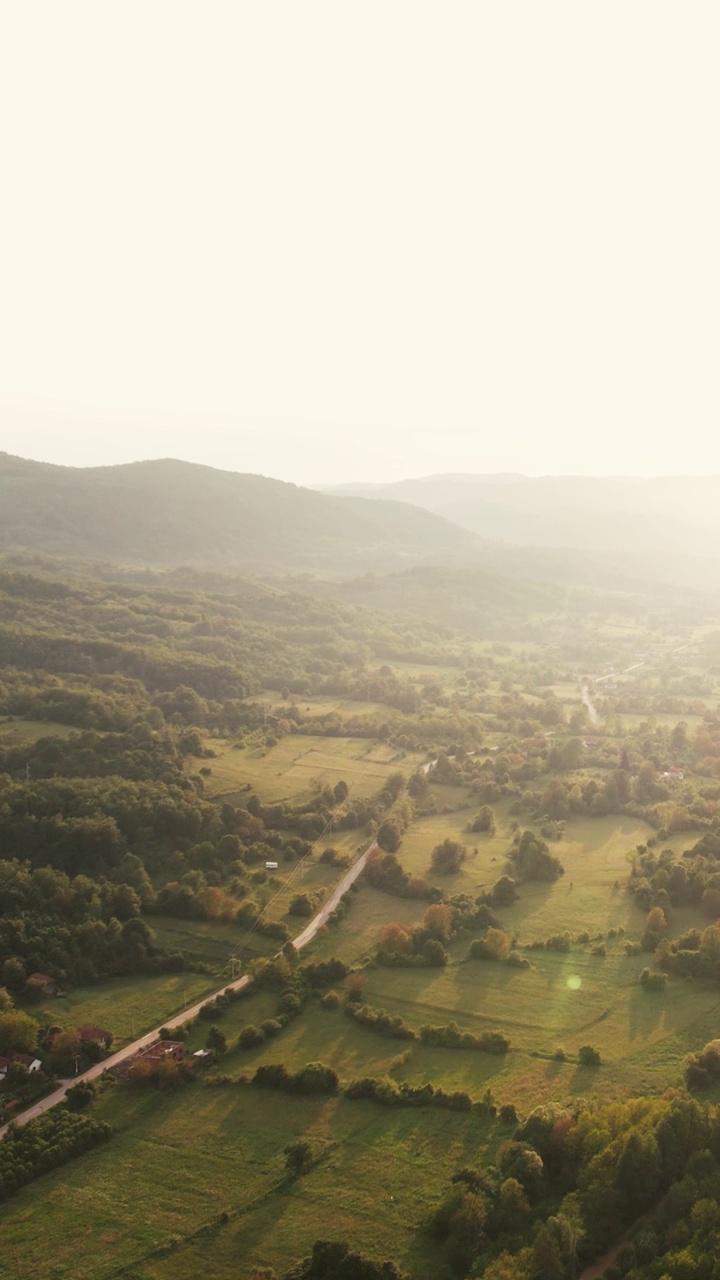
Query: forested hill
x=168, y=513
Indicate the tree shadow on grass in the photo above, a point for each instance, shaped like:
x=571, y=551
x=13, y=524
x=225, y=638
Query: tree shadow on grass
x=646, y=1010
x=585, y=1079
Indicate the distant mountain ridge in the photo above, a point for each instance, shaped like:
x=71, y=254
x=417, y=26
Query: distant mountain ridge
x=167, y=513
x=661, y=515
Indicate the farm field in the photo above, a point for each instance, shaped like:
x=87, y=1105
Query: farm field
x=300, y=764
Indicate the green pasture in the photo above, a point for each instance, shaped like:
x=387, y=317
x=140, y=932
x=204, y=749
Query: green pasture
x=300, y=765
x=150, y=1202
x=592, y=851
x=126, y=1006
x=18, y=733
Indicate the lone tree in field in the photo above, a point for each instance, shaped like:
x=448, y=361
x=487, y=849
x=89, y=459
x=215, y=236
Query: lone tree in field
x=484, y=820
x=448, y=857
x=533, y=860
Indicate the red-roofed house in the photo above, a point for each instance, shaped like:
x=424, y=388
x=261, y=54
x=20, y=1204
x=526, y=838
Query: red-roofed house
x=95, y=1035
x=26, y=1060
x=47, y=984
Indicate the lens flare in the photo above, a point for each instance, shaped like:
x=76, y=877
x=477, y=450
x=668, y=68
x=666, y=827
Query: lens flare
x=574, y=982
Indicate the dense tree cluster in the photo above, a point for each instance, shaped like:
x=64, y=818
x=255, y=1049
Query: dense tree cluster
x=568, y=1181
x=45, y=1143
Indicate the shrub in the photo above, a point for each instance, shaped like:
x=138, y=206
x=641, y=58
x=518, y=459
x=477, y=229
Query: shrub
x=315, y=1078
x=271, y=1027
x=355, y=984
x=447, y=857
x=301, y=905
x=434, y=953
x=386, y=1024
x=589, y=1056
x=652, y=980
x=494, y=946
x=250, y=1037
x=80, y=1095
x=703, y=1068
x=533, y=860
x=484, y=820
x=558, y=942
x=451, y=1036
x=503, y=892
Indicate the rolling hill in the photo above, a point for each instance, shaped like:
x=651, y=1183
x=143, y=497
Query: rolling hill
x=168, y=513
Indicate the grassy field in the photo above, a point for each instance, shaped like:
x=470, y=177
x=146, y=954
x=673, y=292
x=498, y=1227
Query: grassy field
x=300, y=765
x=149, y=1203
x=126, y=1006
x=17, y=733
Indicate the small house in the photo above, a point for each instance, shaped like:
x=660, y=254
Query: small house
x=26, y=1060
x=95, y=1035
x=4, y=1064
x=44, y=983
x=203, y=1058
x=271, y=866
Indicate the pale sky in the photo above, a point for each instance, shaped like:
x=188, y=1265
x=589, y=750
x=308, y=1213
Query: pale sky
x=358, y=241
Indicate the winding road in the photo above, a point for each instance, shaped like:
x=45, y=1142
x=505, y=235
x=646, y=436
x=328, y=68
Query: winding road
x=144, y=1042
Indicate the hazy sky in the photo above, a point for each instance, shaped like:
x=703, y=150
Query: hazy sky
x=361, y=240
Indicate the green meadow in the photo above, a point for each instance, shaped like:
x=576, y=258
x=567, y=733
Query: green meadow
x=18, y=733
x=127, y=1007
x=149, y=1204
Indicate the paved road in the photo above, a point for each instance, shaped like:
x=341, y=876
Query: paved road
x=129, y=1050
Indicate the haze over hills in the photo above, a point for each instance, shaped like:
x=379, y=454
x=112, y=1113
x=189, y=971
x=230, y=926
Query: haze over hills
x=167, y=512
x=665, y=515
